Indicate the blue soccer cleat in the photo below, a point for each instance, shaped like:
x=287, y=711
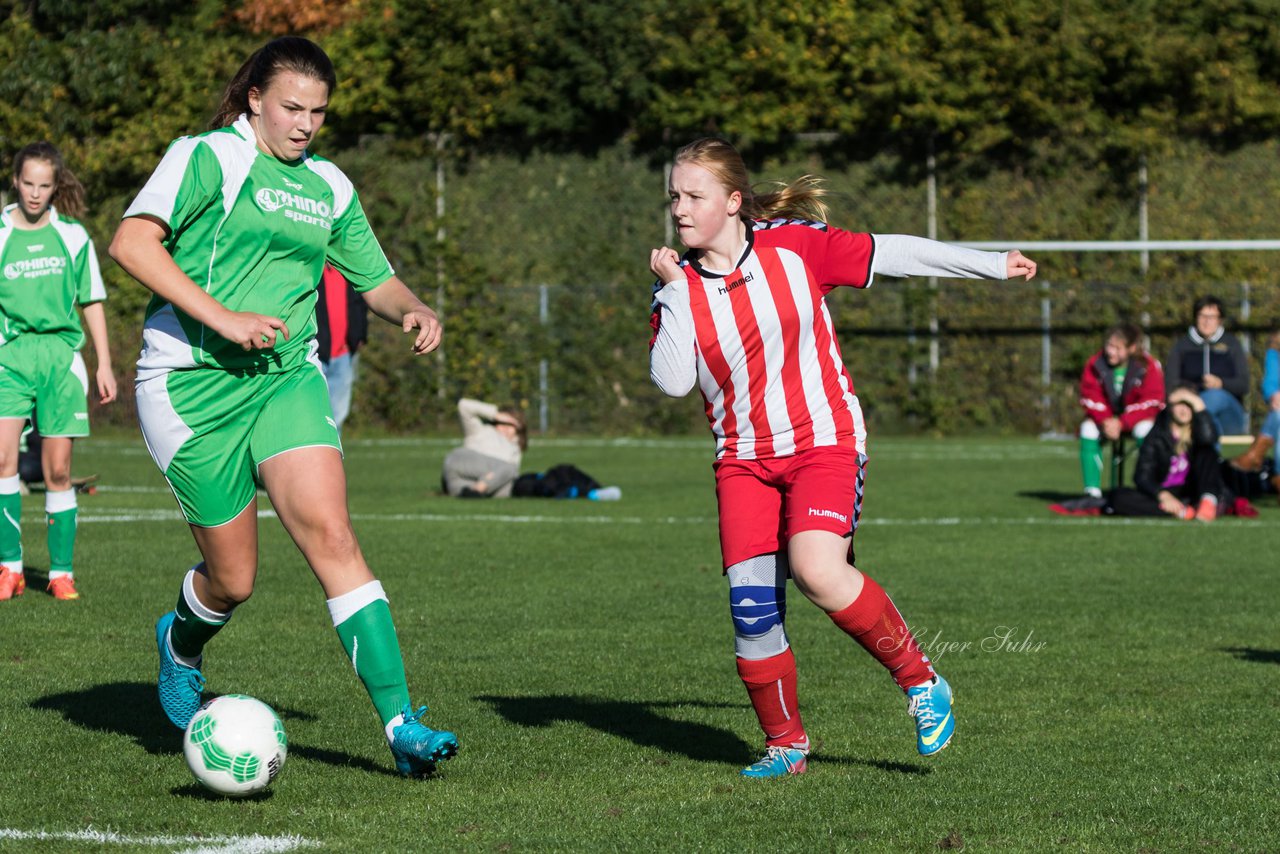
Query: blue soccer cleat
x=930, y=705
x=417, y=747
x=778, y=762
x=179, y=686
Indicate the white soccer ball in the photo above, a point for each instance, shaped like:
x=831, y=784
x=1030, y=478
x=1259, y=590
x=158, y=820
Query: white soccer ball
x=235, y=745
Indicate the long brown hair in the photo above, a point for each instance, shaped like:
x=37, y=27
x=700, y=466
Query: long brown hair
x=288, y=53
x=801, y=198
x=68, y=192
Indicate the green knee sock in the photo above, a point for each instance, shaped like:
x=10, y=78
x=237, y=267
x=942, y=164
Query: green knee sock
x=1091, y=463
x=60, y=514
x=369, y=637
x=10, y=527
x=196, y=623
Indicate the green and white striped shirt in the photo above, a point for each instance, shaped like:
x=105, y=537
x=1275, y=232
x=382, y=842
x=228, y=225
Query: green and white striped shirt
x=44, y=274
x=254, y=232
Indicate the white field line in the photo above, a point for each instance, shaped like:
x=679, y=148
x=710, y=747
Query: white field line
x=446, y=518
x=178, y=844
x=157, y=490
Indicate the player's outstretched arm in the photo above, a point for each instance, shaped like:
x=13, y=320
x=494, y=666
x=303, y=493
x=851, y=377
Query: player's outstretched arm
x=395, y=303
x=907, y=255
x=138, y=249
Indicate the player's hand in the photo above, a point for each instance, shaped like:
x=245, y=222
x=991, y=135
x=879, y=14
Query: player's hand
x=106, y=384
x=1275, y=401
x=1211, y=381
x=1111, y=428
x=1018, y=264
x=252, y=331
x=429, y=329
x=665, y=264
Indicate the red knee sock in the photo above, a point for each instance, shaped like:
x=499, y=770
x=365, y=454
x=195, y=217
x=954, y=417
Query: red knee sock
x=771, y=685
x=873, y=621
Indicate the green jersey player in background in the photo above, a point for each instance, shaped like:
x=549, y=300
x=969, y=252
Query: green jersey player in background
x=231, y=234
x=48, y=268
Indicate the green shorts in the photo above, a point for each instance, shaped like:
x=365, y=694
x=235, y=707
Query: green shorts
x=209, y=430
x=45, y=374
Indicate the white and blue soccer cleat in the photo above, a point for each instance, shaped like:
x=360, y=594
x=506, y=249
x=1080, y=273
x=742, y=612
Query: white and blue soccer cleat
x=930, y=705
x=418, y=748
x=778, y=761
x=179, y=686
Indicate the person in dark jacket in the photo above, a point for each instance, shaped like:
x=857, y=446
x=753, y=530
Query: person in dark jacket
x=1178, y=471
x=342, y=326
x=1211, y=361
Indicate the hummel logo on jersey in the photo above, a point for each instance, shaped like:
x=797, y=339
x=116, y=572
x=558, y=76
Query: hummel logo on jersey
x=290, y=184
x=732, y=284
x=829, y=514
x=35, y=247
x=331, y=422
x=295, y=207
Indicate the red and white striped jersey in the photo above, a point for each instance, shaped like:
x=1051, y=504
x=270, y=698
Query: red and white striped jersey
x=768, y=363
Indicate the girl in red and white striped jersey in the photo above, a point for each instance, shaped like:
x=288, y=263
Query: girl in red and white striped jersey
x=743, y=316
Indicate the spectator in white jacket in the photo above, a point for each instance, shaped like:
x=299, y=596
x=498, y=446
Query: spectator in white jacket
x=488, y=462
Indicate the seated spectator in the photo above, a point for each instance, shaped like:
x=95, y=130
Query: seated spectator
x=1177, y=473
x=1212, y=363
x=1121, y=391
x=487, y=464
x=1263, y=456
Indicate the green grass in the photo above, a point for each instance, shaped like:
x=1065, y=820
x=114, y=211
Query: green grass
x=583, y=653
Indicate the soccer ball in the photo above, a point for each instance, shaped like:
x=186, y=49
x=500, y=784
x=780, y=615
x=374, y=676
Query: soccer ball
x=235, y=745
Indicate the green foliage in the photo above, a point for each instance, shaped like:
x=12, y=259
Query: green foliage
x=551, y=119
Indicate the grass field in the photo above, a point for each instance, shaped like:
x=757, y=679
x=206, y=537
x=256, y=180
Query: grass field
x=1116, y=682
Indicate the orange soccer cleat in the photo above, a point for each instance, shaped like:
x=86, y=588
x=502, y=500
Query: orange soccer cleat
x=63, y=587
x=11, y=583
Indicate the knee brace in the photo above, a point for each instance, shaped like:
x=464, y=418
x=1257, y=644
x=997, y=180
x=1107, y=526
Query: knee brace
x=758, y=605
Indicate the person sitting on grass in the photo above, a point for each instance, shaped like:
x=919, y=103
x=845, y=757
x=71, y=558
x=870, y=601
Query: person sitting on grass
x=1121, y=391
x=488, y=462
x=1178, y=471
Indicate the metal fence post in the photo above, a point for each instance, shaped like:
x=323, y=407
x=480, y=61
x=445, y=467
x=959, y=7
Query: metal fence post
x=932, y=187
x=442, y=364
x=1144, y=257
x=668, y=226
x=1046, y=356
x=1246, y=309
x=543, y=394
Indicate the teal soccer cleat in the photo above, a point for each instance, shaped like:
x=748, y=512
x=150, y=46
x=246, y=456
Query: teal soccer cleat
x=930, y=705
x=179, y=686
x=778, y=762
x=417, y=747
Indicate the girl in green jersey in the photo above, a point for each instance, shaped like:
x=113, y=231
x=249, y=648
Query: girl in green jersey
x=231, y=234
x=47, y=267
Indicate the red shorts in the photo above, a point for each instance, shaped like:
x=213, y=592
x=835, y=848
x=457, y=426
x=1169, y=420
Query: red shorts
x=763, y=503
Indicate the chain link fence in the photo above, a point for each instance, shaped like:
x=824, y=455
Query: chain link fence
x=539, y=266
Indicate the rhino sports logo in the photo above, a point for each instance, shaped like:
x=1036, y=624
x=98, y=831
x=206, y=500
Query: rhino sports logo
x=34, y=267
x=296, y=207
